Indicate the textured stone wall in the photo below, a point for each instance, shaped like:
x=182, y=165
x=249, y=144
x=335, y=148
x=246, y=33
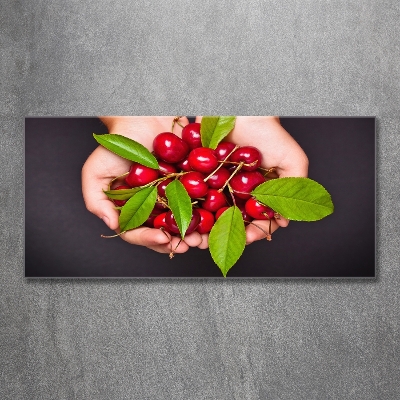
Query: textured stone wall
x=199, y=339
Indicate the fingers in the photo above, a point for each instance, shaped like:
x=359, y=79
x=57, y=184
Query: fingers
x=282, y=222
x=146, y=237
x=159, y=241
x=194, y=239
x=155, y=239
x=295, y=165
x=295, y=161
x=204, y=241
x=258, y=230
x=178, y=248
x=96, y=201
x=151, y=238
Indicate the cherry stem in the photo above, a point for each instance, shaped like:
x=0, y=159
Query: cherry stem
x=162, y=201
x=268, y=235
x=237, y=163
x=171, y=254
x=175, y=175
x=159, y=180
x=156, y=181
x=180, y=241
x=112, y=236
x=237, y=191
x=176, y=121
x=221, y=164
x=231, y=193
x=267, y=171
x=118, y=177
x=238, y=168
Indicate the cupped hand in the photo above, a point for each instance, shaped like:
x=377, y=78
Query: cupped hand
x=102, y=166
x=278, y=149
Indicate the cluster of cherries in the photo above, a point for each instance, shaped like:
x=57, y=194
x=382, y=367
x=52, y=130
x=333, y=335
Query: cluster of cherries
x=214, y=179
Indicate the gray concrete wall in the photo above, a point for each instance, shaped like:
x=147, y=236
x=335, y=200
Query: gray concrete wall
x=268, y=339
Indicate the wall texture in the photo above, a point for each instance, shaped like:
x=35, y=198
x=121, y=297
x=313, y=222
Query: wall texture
x=154, y=339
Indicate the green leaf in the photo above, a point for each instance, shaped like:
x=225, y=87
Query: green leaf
x=180, y=204
x=122, y=194
x=137, y=209
x=227, y=239
x=298, y=199
x=214, y=129
x=127, y=148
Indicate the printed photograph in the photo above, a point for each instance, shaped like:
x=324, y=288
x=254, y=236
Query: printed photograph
x=200, y=197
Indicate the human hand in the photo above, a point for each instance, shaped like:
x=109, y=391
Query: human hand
x=102, y=166
x=278, y=150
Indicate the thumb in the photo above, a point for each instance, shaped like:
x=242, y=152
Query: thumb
x=97, y=202
x=296, y=164
x=105, y=210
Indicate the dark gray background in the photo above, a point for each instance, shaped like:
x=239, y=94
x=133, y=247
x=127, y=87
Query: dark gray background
x=63, y=240
x=269, y=339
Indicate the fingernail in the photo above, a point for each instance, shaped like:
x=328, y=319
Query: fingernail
x=106, y=221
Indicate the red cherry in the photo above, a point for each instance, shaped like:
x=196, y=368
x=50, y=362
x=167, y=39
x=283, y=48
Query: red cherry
x=166, y=168
x=122, y=187
x=120, y=203
x=194, y=184
x=162, y=186
x=258, y=210
x=270, y=213
x=140, y=175
x=231, y=167
x=220, y=211
x=184, y=165
x=239, y=201
x=246, y=217
x=244, y=182
x=249, y=155
x=214, y=200
x=150, y=221
x=159, y=221
x=173, y=227
x=223, y=149
x=217, y=180
x=161, y=206
x=206, y=221
x=203, y=159
x=171, y=223
x=169, y=147
x=191, y=135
